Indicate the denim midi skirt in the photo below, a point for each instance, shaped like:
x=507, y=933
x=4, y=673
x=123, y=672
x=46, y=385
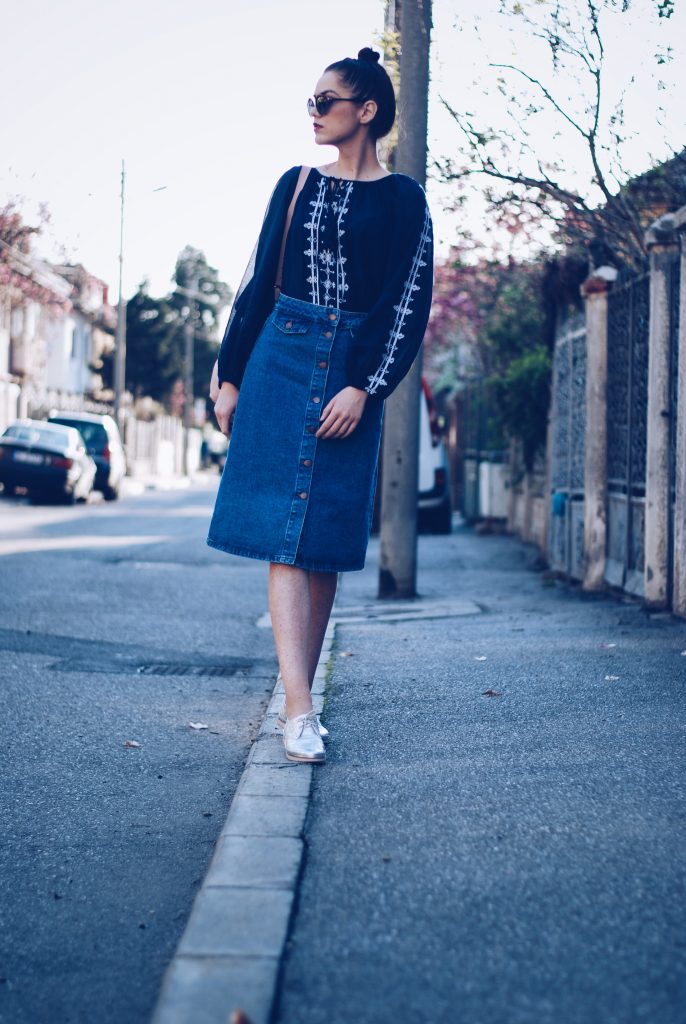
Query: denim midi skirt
x=285, y=495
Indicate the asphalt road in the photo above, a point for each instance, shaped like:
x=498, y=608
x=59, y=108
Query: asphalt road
x=117, y=623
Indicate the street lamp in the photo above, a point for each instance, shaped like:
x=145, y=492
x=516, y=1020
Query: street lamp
x=120, y=334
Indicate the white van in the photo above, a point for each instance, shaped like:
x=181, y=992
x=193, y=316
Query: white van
x=434, y=507
x=435, y=511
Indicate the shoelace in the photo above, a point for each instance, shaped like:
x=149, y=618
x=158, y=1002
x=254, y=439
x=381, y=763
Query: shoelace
x=285, y=716
x=309, y=719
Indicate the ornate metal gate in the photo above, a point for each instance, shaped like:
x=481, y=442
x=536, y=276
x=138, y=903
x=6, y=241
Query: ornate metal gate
x=627, y=401
x=566, y=536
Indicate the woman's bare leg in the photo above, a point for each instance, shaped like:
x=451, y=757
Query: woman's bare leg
x=300, y=605
x=322, y=594
x=289, y=607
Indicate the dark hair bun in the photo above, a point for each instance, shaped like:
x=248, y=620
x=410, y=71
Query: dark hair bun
x=369, y=80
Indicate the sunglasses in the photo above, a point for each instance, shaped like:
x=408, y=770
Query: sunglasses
x=322, y=104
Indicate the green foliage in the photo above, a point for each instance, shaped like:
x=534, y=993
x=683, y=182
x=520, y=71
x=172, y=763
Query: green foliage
x=517, y=315
x=491, y=337
x=154, y=346
x=522, y=395
x=192, y=272
x=520, y=361
x=155, y=339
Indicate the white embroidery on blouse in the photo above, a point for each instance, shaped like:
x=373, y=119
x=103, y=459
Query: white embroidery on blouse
x=327, y=261
x=402, y=310
x=326, y=267
x=313, y=226
x=341, y=284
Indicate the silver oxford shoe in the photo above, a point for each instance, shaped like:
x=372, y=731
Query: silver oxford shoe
x=301, y=739
x=281, y=721
x=281, y=718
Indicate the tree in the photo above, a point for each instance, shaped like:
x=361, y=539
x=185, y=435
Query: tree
x=154, y=332
x=491, y=323
x=18, y=270
x=153, y=353
x=192, y=266
x=526, y=182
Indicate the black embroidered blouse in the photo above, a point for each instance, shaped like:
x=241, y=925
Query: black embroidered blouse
x=362, y=246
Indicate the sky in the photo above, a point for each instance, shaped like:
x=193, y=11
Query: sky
x=205, y=103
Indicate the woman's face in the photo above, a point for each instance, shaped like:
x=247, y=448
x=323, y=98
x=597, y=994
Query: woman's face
x=342, y=120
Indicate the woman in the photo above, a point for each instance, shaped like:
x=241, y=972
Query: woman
x=314, y=368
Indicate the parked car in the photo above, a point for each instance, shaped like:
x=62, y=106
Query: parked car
x=104, y=445
x=434, y=509
x=48, y=459
x=213, y=450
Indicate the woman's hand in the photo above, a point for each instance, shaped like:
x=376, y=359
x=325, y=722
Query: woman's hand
x=214, y=383
x=224, y=406
x=343, y=413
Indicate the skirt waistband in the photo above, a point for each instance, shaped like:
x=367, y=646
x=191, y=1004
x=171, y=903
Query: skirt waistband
x=329, y=314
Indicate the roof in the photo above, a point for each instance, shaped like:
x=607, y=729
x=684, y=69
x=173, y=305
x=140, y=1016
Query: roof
x=87, y=417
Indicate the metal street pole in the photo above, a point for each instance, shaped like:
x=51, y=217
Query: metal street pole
x=398, y=540
x=192, y=294
x=120, y=335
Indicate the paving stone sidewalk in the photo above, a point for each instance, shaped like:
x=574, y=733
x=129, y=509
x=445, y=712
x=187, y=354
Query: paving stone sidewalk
x=497, y=836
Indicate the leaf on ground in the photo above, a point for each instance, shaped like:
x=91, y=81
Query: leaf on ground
x=479, y=657
x=611, y=679
x=491, y=693
x=239, y=1017
x=198, y=725
x=131, y=743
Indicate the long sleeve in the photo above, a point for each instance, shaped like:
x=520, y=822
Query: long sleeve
x=388, y=340
x=254, y=299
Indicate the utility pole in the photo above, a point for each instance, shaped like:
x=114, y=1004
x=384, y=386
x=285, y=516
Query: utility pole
x=391, y=63
x=191, y=294
x=120, y=335
x=398, y=556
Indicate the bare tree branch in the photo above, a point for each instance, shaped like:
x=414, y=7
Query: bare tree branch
x=547, y=95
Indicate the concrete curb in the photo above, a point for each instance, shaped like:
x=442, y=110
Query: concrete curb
x=229, y=954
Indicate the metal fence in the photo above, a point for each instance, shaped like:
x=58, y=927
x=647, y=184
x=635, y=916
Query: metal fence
x=566, y=534
x=674, y=289
x=627, y=407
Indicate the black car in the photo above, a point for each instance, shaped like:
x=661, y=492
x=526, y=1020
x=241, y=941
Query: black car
x=104, y=445
x=47, y=459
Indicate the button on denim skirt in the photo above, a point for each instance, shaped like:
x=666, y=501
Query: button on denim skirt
x=286, y=495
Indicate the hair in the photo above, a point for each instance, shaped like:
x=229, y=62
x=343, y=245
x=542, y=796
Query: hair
x=370, y=80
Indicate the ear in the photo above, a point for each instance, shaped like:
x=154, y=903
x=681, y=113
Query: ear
x=369, y=109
